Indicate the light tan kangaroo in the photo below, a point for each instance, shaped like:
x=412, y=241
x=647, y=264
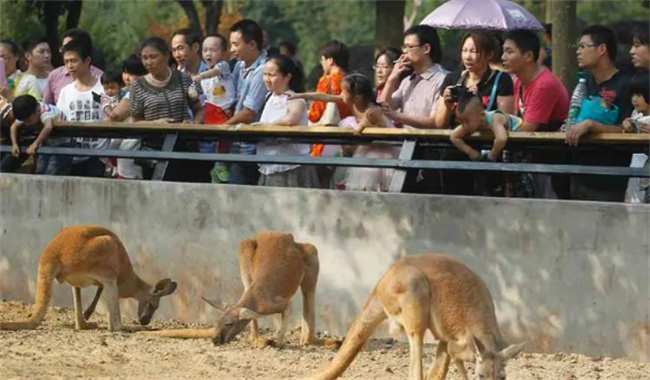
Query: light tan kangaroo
x=92, y=255
x=435, y=292
x=272, y=268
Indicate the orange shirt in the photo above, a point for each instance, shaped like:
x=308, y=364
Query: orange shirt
x=328, y=84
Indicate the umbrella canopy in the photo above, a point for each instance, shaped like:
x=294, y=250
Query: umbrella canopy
x=482, y=14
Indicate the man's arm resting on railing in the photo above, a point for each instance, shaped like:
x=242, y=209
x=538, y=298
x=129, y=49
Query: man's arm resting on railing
x=245, y=116
x=589, y=126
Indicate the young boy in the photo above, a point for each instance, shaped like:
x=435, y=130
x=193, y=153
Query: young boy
x=639, y=123
x=219, y=90
x=31, y=116
x=112, y=83
x=473, y=117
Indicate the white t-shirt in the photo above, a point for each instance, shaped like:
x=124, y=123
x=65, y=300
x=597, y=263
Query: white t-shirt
x=276, y=108
x=220, y=90
x=79, y=106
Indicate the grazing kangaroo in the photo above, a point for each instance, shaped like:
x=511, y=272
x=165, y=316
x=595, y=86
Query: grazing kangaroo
x=439, y=293
x=272, y=268
x=92, y=255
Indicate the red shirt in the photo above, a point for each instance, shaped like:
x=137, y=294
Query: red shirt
x=545, y=101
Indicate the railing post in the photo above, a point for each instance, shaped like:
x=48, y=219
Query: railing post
x=161, y=165
x=399, y=177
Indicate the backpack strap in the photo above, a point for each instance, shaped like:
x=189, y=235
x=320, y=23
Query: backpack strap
x=493, y=94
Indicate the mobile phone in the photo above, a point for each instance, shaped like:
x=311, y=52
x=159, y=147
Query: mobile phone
x=96, y=97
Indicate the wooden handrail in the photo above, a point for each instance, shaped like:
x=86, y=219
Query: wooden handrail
x=399, y=133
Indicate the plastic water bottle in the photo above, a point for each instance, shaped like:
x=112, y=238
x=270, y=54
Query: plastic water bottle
x=579, y=93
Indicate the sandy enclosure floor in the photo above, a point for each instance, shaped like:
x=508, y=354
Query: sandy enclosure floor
x=56, y=351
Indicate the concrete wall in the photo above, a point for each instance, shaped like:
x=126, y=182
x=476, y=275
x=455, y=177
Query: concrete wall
x=567, y=276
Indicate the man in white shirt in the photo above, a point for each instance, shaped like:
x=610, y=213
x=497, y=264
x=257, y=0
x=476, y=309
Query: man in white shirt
x=79, y=101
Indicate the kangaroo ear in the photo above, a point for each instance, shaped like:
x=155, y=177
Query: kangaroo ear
x=215, y=304
x=245, y=313
x=164, y=287
x=511, y=351
x=479, y=349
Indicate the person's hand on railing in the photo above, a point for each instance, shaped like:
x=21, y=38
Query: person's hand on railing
x=15, y=150
x=31, y=149
x=628, y=125
x=573, y=135
x=645, y=128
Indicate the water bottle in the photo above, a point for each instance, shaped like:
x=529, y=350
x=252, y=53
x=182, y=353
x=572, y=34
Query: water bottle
x=579, y=93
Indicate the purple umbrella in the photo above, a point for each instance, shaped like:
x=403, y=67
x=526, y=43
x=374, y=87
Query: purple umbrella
x=482, y=14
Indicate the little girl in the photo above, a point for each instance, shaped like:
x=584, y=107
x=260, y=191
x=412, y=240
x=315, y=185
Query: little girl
x=357, y=93
x=282, y=77
x=639, y=123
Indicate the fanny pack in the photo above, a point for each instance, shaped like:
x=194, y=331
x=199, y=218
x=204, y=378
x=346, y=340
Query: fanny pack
x=597, y=109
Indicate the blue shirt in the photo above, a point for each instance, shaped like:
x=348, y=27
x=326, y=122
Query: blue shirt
x=249, y=82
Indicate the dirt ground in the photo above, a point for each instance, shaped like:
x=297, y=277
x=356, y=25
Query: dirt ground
x=56, y=351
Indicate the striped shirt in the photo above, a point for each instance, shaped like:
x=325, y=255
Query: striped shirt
x=48, y=112
x=60, y=78
x=171, y=101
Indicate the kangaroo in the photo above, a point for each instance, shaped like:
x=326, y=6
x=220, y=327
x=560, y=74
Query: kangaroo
x=436, y=292
x=88, y=255
x=272, y=267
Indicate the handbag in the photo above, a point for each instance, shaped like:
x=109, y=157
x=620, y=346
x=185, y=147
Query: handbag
x=597, y=109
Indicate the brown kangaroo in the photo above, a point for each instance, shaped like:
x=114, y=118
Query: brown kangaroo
x=92, y=255
x=435, y=292
x=272, y=268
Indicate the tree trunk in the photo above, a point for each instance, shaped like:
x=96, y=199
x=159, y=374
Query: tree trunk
x=565, y=34
x=213, y=9
x=50, y=18
x=74, y=14
x=408, y=21
x=389, y=24
x=192, y=16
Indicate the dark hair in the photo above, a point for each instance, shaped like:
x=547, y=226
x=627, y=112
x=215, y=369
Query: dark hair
x=392, y=53
x=30, y=43
x=24, y=106
x=12, y=45
x=640, y=33
x=427, y=35
x=191, y=37
x=359, y=84
x=156, y=43
x=79, y=35
x=289, y=46
x=548, y=29
x=273, y=51
x=250, y=31
x=133, y=65
x=465, y=99
x=601, y=34
x=337, y=51
x=287, y=66
x=221, y=38
x=640, y=85
x=78, y=47
x=526, y=41
x=486, y=43
x=112, y=77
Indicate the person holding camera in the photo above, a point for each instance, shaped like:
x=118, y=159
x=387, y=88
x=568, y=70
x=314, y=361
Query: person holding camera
x=493, y=87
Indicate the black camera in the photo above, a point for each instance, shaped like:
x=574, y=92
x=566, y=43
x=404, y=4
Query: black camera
x=454, y=92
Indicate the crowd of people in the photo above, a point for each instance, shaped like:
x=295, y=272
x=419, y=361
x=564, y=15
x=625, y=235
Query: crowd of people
x=503, y=85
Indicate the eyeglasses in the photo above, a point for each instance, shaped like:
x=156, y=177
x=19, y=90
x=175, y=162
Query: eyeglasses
x=584, y=46
x=409, y=47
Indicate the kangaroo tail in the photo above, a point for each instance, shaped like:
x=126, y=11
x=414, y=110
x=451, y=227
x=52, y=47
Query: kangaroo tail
x=183, y=333
x=43, y=296
x=360, y=331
